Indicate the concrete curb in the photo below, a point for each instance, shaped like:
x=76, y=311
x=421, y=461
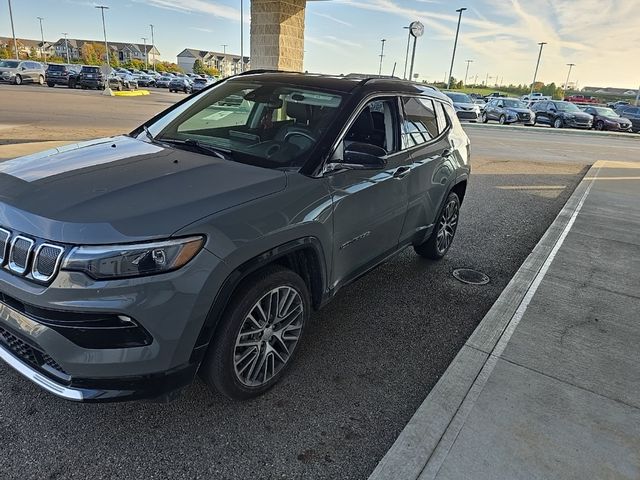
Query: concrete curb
x=427, y=437
x=132, y=93
x=553, y=131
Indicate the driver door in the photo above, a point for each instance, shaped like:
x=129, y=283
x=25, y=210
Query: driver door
x=369, y=206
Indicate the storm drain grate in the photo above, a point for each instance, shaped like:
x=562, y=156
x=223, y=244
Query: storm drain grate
x=472, y=277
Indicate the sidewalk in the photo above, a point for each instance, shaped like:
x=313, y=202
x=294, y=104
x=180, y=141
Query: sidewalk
x=548, y=386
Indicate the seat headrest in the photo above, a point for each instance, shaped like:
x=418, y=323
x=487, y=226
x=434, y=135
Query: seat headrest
x=300, y=111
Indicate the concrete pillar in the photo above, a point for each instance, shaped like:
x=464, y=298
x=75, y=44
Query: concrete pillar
x=277, y=34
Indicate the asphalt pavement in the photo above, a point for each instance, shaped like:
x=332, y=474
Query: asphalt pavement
x=367, y=361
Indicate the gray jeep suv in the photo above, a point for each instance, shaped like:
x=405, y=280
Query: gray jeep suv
x=202, y=241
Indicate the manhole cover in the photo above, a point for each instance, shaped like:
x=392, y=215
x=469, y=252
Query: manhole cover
x=473, y=277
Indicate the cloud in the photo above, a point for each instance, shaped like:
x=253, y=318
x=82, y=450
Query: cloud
x=200, y=29
x=333, y=19
x=198, y=6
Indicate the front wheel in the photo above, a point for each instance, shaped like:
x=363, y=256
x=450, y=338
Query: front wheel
x=17, y=80
x=51, y=84
x=438, y=244
x=258, y=334
x=557, y=123
x=484, y=117
x=502, y=120
x=600, y=125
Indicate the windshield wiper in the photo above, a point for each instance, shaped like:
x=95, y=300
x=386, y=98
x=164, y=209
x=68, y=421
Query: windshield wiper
x=198, y=145
x=148, y=133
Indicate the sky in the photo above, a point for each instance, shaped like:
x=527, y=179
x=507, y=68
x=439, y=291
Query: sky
x=343, y=36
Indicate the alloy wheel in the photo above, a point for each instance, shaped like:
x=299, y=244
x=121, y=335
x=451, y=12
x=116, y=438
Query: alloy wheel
x=447, y=226
x=268, y=336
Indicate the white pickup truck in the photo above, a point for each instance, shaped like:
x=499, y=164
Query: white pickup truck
x=535, y=97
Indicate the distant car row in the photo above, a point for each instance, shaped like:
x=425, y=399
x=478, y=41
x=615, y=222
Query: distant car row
x=18, y=72
x=555, y=113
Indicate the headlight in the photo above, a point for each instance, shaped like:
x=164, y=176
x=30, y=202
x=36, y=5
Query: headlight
x=570, y=115
x=456, y=107
x=134, y=260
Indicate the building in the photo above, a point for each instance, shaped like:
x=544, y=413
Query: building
x=226, y=63
x=629, y=92
x=123, y=51
x=27, y=47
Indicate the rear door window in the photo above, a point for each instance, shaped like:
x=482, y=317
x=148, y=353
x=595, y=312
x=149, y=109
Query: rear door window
x=443, y=124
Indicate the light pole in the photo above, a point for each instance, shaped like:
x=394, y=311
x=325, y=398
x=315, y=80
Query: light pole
x=467, y=72
x=13, y=32
x=381, y=56
x=242, y=36
x=535, y=73
x=42, y=51
x=566, y=83
x=224, y=48
x=107, y=90
x=486, y=81
x=146, y=55
x=66, y=46
x=416, y=29
x=406, y=56
x=475, y=81
x=455, y=44
x=638, y=96
x=153, y=45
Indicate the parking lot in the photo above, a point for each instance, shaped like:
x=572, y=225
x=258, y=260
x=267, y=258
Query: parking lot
x=368, y=360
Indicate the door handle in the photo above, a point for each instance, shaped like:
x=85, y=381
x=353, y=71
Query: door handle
x=401, y=172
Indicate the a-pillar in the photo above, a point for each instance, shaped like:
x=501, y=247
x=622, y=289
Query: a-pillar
x=277, y=34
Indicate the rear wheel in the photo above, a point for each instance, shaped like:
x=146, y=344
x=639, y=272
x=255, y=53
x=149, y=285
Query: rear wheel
x=258, y=334
x=40, y=80
x=438, y=244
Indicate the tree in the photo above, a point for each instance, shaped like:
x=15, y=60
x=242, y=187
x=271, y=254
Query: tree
x=167, y=67
x=5, y=52
x=213, y=71
x=198, y=67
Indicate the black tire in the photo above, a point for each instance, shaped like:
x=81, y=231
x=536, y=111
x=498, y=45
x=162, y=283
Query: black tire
x=218, y=369
x=431, y=248
x=484, y=117
x=17, y=80
x=119, y=88
x=502, y=120
x=558, y=123
x=51, y=85
x=599, y=125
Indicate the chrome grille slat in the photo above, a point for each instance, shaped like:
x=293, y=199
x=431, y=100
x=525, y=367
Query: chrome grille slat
x=46, y=261
x=5, y=235
x=21, y=248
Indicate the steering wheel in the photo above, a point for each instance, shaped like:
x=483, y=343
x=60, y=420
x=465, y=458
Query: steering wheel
x=302, y=134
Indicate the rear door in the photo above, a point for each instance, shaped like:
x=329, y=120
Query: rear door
x=541, y=112
x=369, y=206
x=424, y=136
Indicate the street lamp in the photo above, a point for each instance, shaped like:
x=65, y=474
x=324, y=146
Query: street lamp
x=13, y=32
x=242, y=36
x=535, y=73
x=42, y=51
x=467, y=72
x=381, y=56
x=566, y=83
x=153, y=45
x=107, y=90
x=455, y=44
x=224, y=48
x=66, y=46
x=146, y=55
x=416, y=30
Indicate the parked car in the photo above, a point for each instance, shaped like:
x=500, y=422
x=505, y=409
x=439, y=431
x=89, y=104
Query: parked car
x=62, y=74
x=22, y=71
x=535, y=97
x=180, y=84
x=145, y=80
x=560, y=114
x=91, y=77
x=581, y=99
x=481, y=103
x=494, y=95
x=115, y=82
x=464, y=106
x=508, y=110
x=606, y=119
x=620, y=103
x=163, y=82
x=632, y=113
x=202, y=242
x=129, y=81
x=200, y=83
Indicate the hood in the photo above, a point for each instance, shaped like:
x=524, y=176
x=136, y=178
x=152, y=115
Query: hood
x=518, y=110
x=466, y=106
x=581, y=115
x=122, y=189
x=8, y=69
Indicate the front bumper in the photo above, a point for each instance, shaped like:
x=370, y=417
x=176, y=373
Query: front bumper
x=577, y=123
x=171, y=307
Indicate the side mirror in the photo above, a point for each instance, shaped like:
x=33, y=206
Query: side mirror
x=360, y=156
x=364, y=156
x=551, y=109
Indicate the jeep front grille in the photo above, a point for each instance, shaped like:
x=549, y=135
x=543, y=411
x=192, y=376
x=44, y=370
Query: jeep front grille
x=23, y=255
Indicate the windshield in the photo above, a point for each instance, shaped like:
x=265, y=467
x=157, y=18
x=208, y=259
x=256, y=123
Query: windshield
x=271, y=125
x=9, y=64
x=567, y=107
x=514, y=104
x=459, y=97
x=605, y=112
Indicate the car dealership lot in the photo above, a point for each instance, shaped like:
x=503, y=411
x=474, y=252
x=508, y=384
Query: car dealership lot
x=368, y=359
